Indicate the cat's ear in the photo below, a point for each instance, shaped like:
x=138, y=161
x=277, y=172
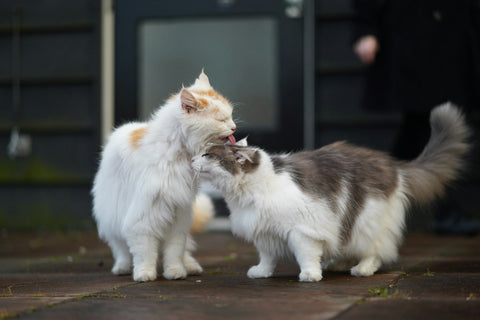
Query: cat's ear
x=202, y=80
x=242, y=143
x=244, y=154
x=189, y=103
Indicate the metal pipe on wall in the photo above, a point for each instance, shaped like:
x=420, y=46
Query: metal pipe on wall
x=107, y=72
x=309, y=74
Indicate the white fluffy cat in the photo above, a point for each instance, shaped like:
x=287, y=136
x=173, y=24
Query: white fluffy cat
x=338, y=203
x=144, y=188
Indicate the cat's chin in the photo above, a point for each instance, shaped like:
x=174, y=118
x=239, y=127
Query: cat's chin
x=205, y=175
x=202, y=173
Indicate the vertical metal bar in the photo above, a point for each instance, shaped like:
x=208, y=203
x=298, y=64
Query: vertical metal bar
x=107, y=66
x=16, y=65
x=309, y=74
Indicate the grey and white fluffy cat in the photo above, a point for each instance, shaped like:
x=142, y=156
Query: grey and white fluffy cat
x=335, y=204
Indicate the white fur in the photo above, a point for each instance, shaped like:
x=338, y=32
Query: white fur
x=143, y=194
x=269, y=210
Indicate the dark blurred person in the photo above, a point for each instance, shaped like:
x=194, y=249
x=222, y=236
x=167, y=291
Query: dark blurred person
x=421, y=53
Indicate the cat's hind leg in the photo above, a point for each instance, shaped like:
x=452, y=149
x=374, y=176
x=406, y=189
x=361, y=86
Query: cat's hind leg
x=308, y=252
x=121, y=256
x=366, y=267
x=265, y=268
x=191, y=264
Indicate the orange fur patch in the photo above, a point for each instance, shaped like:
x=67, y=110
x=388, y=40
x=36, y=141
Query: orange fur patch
x=212, y=94
x=137, y=135
x=203, y=103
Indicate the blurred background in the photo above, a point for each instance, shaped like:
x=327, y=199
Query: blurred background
x=72, y=70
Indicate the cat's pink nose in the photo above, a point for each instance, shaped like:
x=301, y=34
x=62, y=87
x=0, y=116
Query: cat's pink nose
x=234, y=128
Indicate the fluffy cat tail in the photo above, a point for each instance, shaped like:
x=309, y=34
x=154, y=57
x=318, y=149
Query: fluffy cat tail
x=203, y=212
x=443, y=157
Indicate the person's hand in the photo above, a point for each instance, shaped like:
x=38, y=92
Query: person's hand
x=366, y=48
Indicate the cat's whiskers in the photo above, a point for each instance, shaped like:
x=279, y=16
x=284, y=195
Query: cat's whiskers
x=238, y=121
x=195, y=177
x=238, y=105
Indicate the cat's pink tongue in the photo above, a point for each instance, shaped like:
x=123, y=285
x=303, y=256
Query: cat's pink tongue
x=232, y=140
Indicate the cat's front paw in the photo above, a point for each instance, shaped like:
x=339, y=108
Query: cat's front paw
x=175, y=273
x=144, y=275
x=259, y=272
x=310, y=276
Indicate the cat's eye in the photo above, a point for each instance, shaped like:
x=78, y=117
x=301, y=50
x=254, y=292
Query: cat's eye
x=206, y=155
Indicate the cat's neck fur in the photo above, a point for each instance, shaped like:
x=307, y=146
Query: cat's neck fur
x=166, y=127
x=248, y=186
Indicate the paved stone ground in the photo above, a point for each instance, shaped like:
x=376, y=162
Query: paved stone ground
x=67, y=277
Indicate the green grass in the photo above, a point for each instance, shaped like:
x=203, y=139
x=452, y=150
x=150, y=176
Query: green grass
x=429, y=273
x=381, y=292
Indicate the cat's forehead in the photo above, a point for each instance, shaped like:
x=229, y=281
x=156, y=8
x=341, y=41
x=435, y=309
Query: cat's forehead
x=208, y=97
x=235, y=159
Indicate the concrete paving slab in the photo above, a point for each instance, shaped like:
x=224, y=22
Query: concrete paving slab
x=196, y=306
x=435, y=278
x=12, y=306
x=412, y=309
x=439, y=285
x=59, y=285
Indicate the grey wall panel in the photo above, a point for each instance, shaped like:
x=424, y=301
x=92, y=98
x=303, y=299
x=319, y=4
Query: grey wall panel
x=55, y=159
x=53, y=105
x=50, y=55
x=40, y=208
x=49, y=12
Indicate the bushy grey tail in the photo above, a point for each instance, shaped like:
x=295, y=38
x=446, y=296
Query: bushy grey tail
x=442, y=159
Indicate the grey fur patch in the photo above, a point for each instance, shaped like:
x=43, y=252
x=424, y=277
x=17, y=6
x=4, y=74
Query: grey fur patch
x=323, y=172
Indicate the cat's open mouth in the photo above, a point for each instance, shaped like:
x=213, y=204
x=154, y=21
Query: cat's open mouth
x=230, y=138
